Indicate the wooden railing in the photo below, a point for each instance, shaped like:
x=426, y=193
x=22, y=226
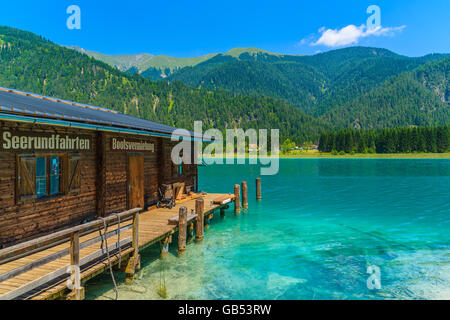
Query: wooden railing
x=73, y=235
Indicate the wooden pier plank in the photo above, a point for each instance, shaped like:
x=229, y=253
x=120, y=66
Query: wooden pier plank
x=153, y=226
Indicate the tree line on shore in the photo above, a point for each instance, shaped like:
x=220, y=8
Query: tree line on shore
x=391, y=140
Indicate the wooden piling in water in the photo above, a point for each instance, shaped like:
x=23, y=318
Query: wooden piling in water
x=182, y=229
x=190, y=234
x=237, y=200
x=199, y=226
x=134, y=262
x=208, y=221
x=258, y=188
x=244, y=195
x=135, y=243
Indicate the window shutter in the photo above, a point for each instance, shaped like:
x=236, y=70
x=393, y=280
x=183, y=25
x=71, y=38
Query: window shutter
x=74, y=174
x=27, y=177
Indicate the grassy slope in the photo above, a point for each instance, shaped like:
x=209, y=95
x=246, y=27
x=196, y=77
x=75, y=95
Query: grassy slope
x=163, y=61
x=236, y=52
x=145, y=61
x=123, y=62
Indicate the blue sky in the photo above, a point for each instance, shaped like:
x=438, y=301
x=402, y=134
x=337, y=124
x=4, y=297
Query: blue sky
x=191, y=28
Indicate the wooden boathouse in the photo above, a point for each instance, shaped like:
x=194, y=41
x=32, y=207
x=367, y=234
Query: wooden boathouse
x=70, y=171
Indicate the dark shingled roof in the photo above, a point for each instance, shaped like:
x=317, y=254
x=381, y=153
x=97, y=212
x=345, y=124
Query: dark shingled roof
x=37, y=106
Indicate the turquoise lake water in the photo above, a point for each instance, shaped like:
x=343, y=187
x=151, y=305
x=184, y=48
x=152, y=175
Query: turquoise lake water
x=321, y=223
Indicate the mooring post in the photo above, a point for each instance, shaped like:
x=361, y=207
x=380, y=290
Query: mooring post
x=244, y=195
x=134, y=263
x=258, y=188
x=222, y=210
x=136, y=240
x=199, y=211
x=237, y=200
x=208, y=221
x=182, y=230
x=190, y=234
x=78, y=291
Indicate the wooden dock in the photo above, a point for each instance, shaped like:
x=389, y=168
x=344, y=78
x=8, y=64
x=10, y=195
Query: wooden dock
x=153, y=227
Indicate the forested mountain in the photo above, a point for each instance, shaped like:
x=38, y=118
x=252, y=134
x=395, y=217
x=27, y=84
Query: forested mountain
x=31, y=63
x=353, y=87
x=419, y=98
x=297, y=84
x=315, y=84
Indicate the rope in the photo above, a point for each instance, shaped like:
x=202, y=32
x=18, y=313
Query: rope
x=107, y=254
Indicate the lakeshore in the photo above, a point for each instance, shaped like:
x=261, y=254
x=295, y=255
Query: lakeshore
x=314, y=154
x=369, y=155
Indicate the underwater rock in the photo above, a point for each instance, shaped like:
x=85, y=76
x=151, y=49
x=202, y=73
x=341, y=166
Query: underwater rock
x=280, y=284
x=138, y=289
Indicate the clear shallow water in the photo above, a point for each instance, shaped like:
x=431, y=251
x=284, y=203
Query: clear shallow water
x=320, y=224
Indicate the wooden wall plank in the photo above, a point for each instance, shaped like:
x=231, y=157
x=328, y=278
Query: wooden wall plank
x=103, y=186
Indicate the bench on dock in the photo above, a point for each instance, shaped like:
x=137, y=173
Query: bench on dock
x=223, y=199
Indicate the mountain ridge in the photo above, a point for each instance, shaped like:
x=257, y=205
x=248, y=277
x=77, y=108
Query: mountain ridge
x=145, y=61
x=161, y=65
x=33, y=64
x=354, y=87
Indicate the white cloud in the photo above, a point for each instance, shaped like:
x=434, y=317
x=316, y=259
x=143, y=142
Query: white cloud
x=306, y=41
x=350, y=34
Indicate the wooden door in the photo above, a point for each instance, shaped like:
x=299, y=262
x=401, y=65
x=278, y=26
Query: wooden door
x=135, y=181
